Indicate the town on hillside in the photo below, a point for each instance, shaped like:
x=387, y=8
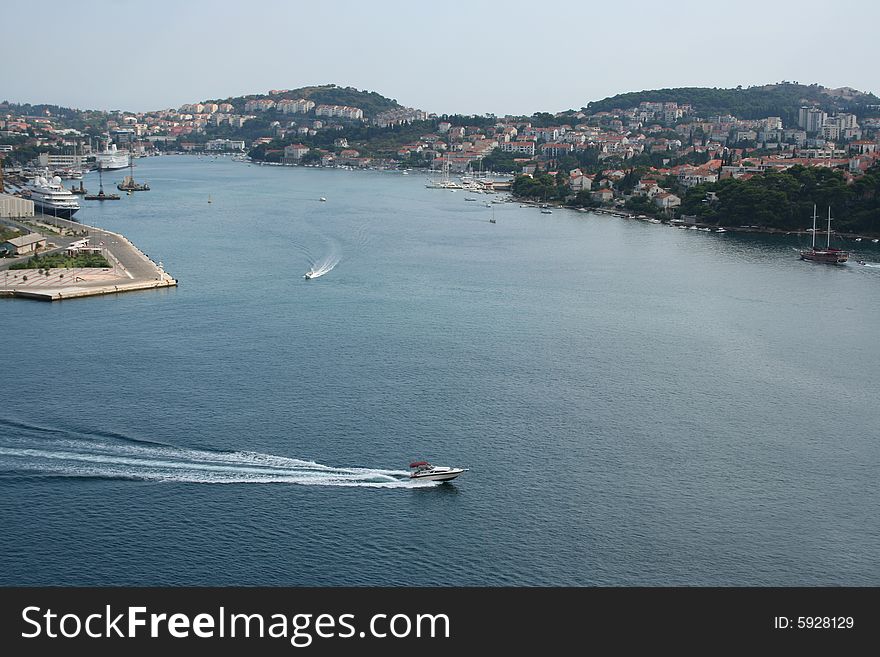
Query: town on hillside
x=659, y=157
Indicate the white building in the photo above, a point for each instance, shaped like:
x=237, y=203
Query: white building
x=53, y=160
x=521, y=147
x=666, y=200
x=811, y=119
x=298, y=106
x=294, y=152
x=15, y=206
x=342, y=111
x=25, y=244
x=579, y=182
x=259, y=105
x=224, y=145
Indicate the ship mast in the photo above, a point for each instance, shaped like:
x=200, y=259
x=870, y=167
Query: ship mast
x=828, y=238
x=814, y=226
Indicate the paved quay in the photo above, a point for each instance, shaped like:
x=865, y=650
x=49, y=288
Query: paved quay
x=130, y=268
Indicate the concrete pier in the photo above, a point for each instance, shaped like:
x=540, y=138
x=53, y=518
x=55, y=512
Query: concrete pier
x=130, y=269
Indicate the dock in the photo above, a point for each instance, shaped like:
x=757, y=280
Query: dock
x=130, y=269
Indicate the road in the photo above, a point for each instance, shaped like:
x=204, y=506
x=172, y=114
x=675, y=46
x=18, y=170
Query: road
x=129, y=265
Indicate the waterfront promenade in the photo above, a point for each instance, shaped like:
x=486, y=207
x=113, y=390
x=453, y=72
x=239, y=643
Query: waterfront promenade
x=130, y=268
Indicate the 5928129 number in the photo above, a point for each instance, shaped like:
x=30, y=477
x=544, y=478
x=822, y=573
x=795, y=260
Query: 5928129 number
x=825, y=622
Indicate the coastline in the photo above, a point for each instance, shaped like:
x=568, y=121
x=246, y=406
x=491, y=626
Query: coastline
x=627, y=214
x=131, y=269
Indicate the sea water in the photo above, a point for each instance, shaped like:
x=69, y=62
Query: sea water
x=637, y=405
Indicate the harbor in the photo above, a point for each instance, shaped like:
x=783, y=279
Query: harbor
x=130, y=268
x=507, y=348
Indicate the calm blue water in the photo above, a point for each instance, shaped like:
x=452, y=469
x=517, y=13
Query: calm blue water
x=638, y=405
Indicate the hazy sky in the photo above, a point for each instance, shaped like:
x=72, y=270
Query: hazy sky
x=445, y=57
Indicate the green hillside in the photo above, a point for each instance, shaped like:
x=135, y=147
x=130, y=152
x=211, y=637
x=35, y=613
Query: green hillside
x=781, y=100
x=370, y=102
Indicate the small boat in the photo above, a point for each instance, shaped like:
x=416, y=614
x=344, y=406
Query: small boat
x=308, y=275
x=546, y=211
x=875, y=240
x=720, y=229
x=858, y=239
x=322, y=199
x=424, y=470
x=468, y=198
x=209, y=199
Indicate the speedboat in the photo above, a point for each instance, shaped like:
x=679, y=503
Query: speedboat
x=424, y=470
x=322, y=199
x=308, y=275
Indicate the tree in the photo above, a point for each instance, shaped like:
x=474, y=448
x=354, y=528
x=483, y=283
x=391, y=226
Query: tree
x=312, y=157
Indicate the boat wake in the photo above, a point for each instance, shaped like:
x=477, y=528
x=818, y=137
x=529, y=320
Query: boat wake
x=74, y=457
x=325, y=266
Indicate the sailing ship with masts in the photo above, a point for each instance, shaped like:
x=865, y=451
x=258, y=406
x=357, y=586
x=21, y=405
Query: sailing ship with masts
x=827, y=254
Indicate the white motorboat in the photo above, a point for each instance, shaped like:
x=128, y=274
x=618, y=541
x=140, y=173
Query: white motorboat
x=426, y=471
x=308, y=275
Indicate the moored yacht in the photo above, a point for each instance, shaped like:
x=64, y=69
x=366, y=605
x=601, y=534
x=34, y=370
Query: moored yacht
x=51, y=197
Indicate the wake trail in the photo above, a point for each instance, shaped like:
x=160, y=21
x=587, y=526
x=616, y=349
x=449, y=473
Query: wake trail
x=328, y=263
x=85, y=458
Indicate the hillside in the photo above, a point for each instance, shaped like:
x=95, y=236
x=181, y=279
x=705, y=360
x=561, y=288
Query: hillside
x=781, y=100
x=370, y=102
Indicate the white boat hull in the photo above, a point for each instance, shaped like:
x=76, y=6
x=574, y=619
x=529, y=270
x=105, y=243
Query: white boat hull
x=438, y=474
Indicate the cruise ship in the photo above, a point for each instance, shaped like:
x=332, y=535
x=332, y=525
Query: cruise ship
x=50, y=197
x=112, y=159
